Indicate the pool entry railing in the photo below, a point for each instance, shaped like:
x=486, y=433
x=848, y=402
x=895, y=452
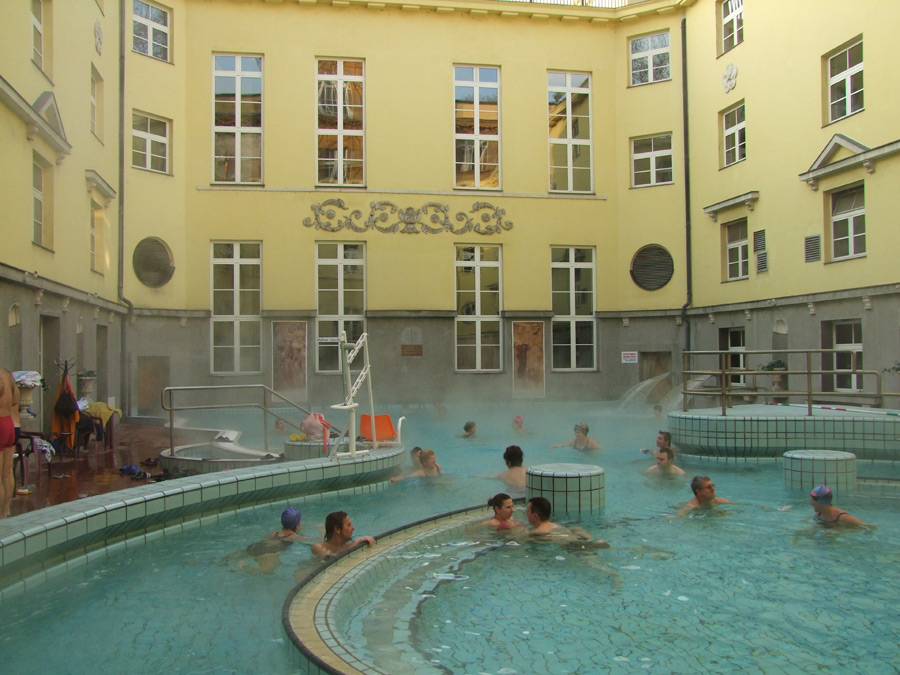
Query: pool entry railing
x=260, y=397
x=828, y=375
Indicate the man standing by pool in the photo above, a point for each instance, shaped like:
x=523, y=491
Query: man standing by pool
x=339, y=535
x=9, y=434
x=704, y=495
x=665, y=464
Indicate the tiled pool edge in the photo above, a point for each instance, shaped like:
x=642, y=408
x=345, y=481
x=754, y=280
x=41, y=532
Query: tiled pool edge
x=737, y=436
x=43, y=543
x=305, y=611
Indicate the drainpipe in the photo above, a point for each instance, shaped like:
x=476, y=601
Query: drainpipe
x=124, y=361
x=688, y=267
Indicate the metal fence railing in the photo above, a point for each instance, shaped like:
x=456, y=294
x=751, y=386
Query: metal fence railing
x=825, y=373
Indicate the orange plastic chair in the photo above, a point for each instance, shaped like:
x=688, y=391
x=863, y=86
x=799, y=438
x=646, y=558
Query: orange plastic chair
x=384, y=427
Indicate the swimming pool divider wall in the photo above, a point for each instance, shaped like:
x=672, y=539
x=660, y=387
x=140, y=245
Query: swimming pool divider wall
x=326, y=656
x=46, y=542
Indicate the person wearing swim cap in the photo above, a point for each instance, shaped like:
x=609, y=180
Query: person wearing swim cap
x=267, y=550
x=581, y=440
x=828, y=514
x=518, y=425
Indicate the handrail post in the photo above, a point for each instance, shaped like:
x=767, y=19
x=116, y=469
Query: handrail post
x=685, y=358
x=722, y=360
x=265, y=407
x=171, y=422
x=809, y=383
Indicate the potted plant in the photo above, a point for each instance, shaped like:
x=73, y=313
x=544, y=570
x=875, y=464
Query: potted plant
x=86, y=380
x=28, y=381
x=774, y=366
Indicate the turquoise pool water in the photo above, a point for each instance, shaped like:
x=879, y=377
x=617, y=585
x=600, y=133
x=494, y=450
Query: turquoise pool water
x=180, y=604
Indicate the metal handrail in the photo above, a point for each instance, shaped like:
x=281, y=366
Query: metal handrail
x=168, y=404
x=725, y=372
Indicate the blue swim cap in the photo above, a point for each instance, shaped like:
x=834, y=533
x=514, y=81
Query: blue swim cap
x=822, y=494
x=290, y=519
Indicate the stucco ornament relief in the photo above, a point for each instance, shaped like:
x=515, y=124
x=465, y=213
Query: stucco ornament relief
x=98, y=37
x=729, y=79
x=431, y=218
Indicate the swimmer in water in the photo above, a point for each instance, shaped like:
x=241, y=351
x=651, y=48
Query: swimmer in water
x=266, y=551
x=515, y=473
x=428, y=467
x=339, y=536
x=829, y=515
x=581, y=440
x=503, y=511
x=469, y=429
x=665, y=464
x=704, y=496
x=663, y=441
x=572, y=538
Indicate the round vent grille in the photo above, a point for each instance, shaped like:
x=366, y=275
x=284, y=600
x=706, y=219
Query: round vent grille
x=152, y=261
x=652, y=267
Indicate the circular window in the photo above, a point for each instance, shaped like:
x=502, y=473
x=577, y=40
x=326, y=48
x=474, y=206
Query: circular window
x=652, y=267
x=152, y=262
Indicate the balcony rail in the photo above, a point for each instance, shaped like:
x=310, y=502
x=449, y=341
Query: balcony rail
x=815, y=367
x=597, y=4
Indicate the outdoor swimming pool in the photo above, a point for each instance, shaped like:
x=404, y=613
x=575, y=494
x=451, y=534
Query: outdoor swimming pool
x=178, y=604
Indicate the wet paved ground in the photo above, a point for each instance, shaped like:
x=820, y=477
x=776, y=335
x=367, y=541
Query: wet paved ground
x=92, y=471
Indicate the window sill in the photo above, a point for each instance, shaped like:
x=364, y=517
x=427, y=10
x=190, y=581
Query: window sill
x=728, y=166
x=146, y=170
x=240, y=185
x=729, y=50
x=150, y=56
x=46, y=248
x=644, y=84
x=651, y=185
x=729, y=281
x=340, y=186
x=468, y=188
x=845, y=259
x=841, y=119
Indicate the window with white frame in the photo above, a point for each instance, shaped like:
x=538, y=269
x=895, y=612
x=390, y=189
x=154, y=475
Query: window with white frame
x=732, y=27
x=37, y=32
x=476, y=114
x=734, y=135
x=39, y=169
x=150, y=30
x=96, y=103
x=651, y=160
x=340, y=132
x=650, y=59
x=572, y=274
x=569, y=110
x=848, y=223
x=737, y=250
x=237, y=118
x=149, y=142
x=341, y=299
x=236, y=307
x=733, y=340
x=845, y=82
x=98, y=221
x=848, y=337
x=479, y=302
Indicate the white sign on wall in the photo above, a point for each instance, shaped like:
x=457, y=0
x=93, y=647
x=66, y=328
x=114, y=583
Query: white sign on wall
x=629, y=357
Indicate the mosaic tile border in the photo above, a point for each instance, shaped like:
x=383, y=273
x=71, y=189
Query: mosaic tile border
x=312, y=612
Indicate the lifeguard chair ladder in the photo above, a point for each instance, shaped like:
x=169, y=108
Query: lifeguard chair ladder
x=349, y=351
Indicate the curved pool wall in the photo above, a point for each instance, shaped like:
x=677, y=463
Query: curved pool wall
x=315, y=612
x=759, y=432
x=39, y=544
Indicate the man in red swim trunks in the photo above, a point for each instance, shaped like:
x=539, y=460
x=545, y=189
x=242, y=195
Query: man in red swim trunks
x=9, y=433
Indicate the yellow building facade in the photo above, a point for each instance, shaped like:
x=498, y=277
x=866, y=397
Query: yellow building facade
x=526, y=200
